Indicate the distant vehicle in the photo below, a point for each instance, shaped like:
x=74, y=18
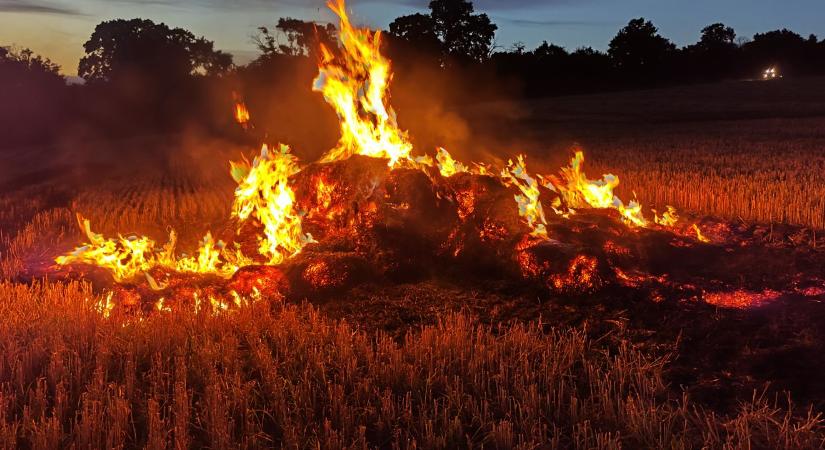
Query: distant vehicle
x=771, y=73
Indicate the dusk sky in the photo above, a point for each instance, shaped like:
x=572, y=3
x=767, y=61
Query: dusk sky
x=58, y=28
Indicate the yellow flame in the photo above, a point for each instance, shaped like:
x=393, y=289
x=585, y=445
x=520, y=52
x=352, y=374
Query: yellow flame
x=699, y=236
x=528, y=202
x=356, y=85
x=668, y=218
x=128, y=257
x=125, y=257
x=241, y=113
x=447, y=165
x=106, y=305
x=264, y=193
x=578, y=191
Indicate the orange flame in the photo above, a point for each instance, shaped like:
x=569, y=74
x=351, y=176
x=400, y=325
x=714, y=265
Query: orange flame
x=128, y=257
x=264, y=193
x=241, y=114
x=528, y=202
x=447, y=165
x=356, y=85
x=580, y=192
x=699, y=236
x=668, y=218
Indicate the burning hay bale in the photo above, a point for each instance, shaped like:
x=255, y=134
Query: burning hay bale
x=371, y=211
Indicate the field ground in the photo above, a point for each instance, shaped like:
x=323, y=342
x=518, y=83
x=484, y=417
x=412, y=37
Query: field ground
x=427, y=365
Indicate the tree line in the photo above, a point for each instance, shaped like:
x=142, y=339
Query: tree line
x=156, y=77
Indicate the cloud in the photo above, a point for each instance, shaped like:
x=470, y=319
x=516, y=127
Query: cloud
x=28, y=6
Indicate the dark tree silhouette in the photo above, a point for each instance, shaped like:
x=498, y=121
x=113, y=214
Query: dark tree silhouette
x=717, y=36
x=550, y=52
x=33, y=91
x=300, y=38
x=639, y=52
x=23, y=67
x=418, y=30
x=782, y=48
x=462, y=34
x=141, y=46
x=714, y=57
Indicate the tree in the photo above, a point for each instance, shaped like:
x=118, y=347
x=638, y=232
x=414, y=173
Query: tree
x=463, y=33
x=302, y=38
x=717, y=36
x=33, y=93
x=416, y=29
x=452, y=26
x=119, y=47
x=639, y=51
x=550, y=52
x=23, y=67
x=715, y=56
x=784, y=48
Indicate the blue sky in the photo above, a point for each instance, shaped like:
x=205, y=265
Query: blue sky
x=58, y=28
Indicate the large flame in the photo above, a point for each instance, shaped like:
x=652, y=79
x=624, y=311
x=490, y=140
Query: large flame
x=264, y=193
x=356, y=84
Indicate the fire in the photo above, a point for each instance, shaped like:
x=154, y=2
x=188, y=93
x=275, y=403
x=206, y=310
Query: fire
x=529, y=205
x=356, y=85
x=578, y=191
x=212, y=257
x=264, y=193
x=128, y=257
x=699, y=236
x=581, y=277
x=447, y=165
x=668, y=218
x=355, y=80
x=323, y=193
x=241, y=114
x=125, y=258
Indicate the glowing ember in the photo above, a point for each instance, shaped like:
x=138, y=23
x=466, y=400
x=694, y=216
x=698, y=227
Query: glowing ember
x=581, y=276
x=741, y=298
